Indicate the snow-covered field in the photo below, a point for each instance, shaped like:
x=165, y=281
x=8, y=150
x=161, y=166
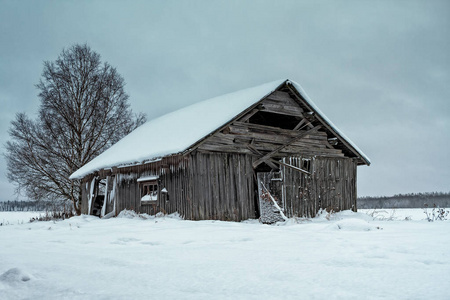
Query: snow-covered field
x=347, y=256
x=18, y=217
x=397, y=214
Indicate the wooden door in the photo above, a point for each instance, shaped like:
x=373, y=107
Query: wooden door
x=270, y=184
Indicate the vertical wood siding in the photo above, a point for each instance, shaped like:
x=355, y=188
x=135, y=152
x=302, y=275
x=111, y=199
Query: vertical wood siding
x=220, y=186
x=331, y=185
x=201, y=186
x=85, y=188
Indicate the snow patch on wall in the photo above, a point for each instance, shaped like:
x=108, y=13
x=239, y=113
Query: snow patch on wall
x=147, y=178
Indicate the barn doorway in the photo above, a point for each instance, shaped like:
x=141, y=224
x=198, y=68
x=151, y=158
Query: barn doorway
x=270, y=189
x=99, y=199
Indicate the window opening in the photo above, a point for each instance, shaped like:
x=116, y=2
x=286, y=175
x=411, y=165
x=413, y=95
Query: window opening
x=277, y=176
x=306, y=165
x=149, y=192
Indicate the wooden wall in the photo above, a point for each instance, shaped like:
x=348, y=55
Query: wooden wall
x=127, y=194
x=236, y=137
x=222, y=187
x=331, y=185
x=216, y=186
x=85, y=188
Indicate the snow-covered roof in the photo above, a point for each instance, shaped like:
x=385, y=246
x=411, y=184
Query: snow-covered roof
x=299, y=89
x=177, y=131
x=147, y=178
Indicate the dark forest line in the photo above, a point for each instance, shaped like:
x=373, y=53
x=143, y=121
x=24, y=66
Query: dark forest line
x=30, y=205
x=412, y=200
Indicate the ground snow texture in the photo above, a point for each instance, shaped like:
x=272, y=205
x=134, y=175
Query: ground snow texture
x=18, y=217
x=340, y=256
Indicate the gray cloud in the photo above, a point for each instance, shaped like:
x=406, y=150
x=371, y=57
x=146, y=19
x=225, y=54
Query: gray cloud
x=378, y=69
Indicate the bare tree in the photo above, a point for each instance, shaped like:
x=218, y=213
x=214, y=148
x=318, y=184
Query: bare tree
x=84, y=110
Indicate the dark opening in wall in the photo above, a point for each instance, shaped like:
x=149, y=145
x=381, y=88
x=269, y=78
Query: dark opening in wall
x=275, y=120
x=306, y=164
x=264, y=168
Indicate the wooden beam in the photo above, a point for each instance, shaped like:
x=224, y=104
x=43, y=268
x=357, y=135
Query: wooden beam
x=282, y=109
x=249, y=115
x=224, y=148
x=241, y=129
x=328, y=145
x=254, y=150
x=270, y=154
x=268, y=162
x=290, y=166
x=299, y=124
x=279, y=96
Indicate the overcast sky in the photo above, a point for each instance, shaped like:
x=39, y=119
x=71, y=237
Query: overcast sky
x=380, y=70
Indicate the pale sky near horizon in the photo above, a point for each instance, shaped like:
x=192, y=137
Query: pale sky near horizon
x=380, y=70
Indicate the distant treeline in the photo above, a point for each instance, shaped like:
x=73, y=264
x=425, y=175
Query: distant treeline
x=411, y=200
x=29, y=205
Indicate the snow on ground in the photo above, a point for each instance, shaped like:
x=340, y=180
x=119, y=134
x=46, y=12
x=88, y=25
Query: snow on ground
x=397, y=213
x=18, y=217
x=343, y=256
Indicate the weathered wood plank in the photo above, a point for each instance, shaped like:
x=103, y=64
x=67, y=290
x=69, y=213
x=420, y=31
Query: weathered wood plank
x=239, y=128
x=256, y=152
x=230, y=139
x=280, y=96
x=291, y=166
x=282, y=109
x=272, y=153
x=224, y=148
x=249, y=115
x=290, y=150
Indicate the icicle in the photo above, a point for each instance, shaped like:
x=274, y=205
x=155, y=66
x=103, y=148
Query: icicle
x=105, y=199
x=91, y=195
x=113, y=192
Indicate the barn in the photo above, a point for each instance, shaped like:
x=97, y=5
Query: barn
x=265, y=152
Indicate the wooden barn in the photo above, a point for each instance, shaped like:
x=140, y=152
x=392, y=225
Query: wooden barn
x=265, y=152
